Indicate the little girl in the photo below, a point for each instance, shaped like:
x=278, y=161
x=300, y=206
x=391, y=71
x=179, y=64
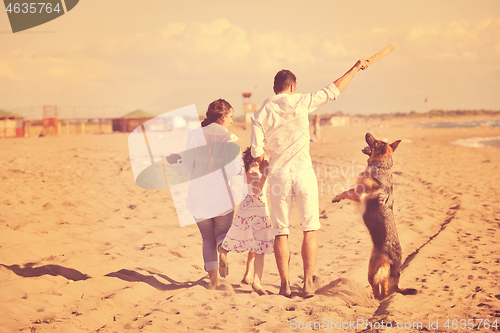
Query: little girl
x=251, y=227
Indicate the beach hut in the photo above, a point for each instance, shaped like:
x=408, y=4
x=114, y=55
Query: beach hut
x=11, y=125
x=130, y=121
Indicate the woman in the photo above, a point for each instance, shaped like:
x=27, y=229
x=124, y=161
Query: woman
x=211, y=161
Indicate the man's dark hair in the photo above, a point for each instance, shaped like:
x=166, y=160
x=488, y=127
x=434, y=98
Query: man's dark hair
x=283, y=79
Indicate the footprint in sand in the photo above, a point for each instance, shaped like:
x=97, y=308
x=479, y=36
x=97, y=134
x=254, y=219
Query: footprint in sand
x=151, y=245
x=177, y=254
x=48, y=206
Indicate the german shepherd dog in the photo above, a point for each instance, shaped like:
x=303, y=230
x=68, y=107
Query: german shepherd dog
x=375, y=192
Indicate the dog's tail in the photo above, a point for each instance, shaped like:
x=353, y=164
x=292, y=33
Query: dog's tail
x=407, y=291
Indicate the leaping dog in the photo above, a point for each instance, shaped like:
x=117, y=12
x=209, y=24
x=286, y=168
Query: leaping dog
x=374, y=190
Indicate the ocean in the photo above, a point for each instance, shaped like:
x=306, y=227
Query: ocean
x=478, y=142
x=469, y=142
x=461, y=123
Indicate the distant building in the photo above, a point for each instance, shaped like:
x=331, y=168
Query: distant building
x=11, y=125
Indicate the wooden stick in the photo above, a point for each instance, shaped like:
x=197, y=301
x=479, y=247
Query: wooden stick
x=380, y=54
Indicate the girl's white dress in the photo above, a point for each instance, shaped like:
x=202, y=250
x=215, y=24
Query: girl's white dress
x=251, y=228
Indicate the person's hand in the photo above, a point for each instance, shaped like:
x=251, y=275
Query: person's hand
x=264, y=167
x=173, y=158
x=362, y=64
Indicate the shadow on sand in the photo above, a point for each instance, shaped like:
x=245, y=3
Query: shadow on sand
x=28, y=270
x=55, y=270
x=133, y=276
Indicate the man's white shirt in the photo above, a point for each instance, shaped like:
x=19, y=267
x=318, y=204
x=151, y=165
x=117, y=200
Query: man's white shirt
x=282, y=124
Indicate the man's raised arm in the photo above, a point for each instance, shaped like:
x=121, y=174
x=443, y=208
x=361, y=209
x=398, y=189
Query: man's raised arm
x=314, y=100
x=342, y=82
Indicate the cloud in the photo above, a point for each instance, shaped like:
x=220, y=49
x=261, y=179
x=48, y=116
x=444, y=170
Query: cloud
x=7, y=72
x=191, y=48
x=457, y=40
x=278, y=49
x=141, y=67
x=173, y=29
x=199, y=48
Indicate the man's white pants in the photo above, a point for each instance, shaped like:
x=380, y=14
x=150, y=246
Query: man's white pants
x=301, y=185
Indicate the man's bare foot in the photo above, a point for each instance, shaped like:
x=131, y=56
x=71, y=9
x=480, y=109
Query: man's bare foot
x=212, y=286
x=285, y=289
x=258, y=289
x=309, y=288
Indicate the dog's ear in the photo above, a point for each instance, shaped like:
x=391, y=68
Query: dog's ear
x=395, y=145
x=369, y=139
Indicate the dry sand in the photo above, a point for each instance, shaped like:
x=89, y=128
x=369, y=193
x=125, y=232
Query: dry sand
x=82, y=248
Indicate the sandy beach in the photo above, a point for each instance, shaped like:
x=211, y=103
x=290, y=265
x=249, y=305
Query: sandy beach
x=84, y=249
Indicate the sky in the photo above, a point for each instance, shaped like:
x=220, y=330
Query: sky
x=106, y=58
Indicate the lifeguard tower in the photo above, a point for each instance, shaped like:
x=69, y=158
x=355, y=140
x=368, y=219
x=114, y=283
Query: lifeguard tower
x=248, y=108
x=50, y=121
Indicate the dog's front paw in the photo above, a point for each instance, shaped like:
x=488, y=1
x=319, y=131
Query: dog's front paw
x=367, y=150
x=336, y=199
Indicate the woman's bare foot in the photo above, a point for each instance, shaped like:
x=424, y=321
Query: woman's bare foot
x=285, y=289
x=258, y=289
x=214, y=279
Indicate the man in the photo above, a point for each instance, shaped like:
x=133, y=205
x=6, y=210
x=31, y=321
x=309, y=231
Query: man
x=282, y=124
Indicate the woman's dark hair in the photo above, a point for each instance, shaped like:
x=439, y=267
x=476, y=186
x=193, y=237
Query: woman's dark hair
x=283, y=79
x=216, y=109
